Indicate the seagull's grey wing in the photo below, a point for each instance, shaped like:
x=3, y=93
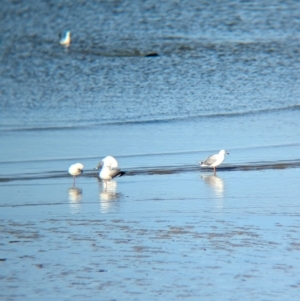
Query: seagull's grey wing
x=210, y=160
x=114, y=172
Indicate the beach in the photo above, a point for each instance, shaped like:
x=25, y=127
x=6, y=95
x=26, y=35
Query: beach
x=192, y=235
x=224, y=76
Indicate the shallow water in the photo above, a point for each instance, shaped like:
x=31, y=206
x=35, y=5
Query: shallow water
x=226, y=76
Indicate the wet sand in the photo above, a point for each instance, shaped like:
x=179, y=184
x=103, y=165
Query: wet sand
x=179, y=236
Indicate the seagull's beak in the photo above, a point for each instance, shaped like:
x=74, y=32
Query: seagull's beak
x=227, y=153
x=98, y=166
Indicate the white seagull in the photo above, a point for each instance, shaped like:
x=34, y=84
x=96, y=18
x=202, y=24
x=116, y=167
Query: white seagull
x=214, y=160
x=110, y=169
x=76, y=170
x=66, y=40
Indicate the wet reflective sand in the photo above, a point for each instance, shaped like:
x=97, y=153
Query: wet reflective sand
x=191, y=236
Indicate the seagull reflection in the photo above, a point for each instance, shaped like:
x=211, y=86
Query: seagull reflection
x=108, y=196
x=216, y=183
x=75, y=196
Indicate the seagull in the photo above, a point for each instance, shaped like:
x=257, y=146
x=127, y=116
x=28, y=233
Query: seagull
x=110, y=169
x=75, y=170
x=214, y=160
x=66, y=40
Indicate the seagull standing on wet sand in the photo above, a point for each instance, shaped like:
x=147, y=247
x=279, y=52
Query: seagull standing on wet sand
x=110, y=169
x=66, y=40
x=214, y=160
x=75, y=170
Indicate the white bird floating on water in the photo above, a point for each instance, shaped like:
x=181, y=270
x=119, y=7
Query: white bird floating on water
x=110, y=169
x=76, y=170
x=66, y=39
x=214, y=160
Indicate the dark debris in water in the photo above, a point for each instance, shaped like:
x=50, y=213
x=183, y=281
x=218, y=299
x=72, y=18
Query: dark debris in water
x=39, y=266
x=152, y=54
